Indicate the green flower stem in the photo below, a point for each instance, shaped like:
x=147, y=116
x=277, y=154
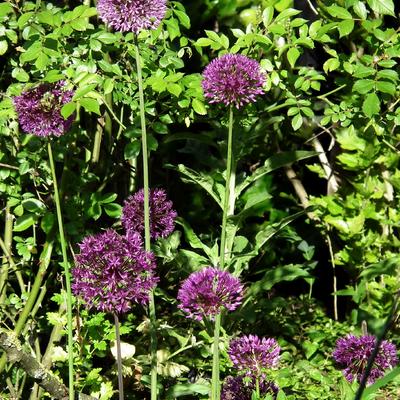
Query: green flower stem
x=8, y=231
x=229, y=159
x=258, y=387
x=33, y=294
x=152, y=307
x=119, y=358
x=67, y=274
x=228, y=206
x=215, y=386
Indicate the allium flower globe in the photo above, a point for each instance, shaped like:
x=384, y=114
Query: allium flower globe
x=253, y=354
x=233, y=79
x=132, y=15
x=162, y=216
x=352, y=354
x=113, y=271
x=235, y=388
x=208, y=291
x=39, y=109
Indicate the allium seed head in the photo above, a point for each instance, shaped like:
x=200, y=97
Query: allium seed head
x=253, y=354
x=132, y=15
x=352, y=354
x=162, y=216
x=112, y=272
x=233, y=79
x=39, y=109
x=206, y=292
x=236, y=388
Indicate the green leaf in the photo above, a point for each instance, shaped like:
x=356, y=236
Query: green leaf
x=5, y=8
x=33, y=205
x=174, y=89
x=297, y=121
x=183, y=18
x=20, y=75
x=113, y=210
x=3, y=46
x=389, y=377
x=360, y=9
x=276, y=275
x=371, y=105
x=271, y=164
x=132, y=149
x=292, y=55
x=90, y=105
x=187, y=389
x=42, y=61
x=47, y=222
x=386, y=87
x=364, y=86
x=385, y=7
x=198, y=107
x=203, y=180
x=338, y=12
x=24, y=222
x=345, y=27
x=68, y=109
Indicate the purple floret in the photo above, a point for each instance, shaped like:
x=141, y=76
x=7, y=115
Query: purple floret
x=206, y=292
x=39, y=109
x=132, y=15
x=233, y=79
x=237, y=388
x=112, y=272
x=162, y=216
x=352, y=354
x=253, y=355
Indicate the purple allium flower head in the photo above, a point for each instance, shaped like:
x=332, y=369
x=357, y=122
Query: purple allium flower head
x=352, y=354
x=39, y=109
x=233, y=79
x=236, y=388
x=162, y=216
x=252, y=354
x=206, y=292
x=132, y=15
x=113, y=271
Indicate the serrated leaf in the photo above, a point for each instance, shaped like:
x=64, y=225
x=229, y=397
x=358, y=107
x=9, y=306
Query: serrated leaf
x=338, y=12
x=385, y=7
x=371, y=105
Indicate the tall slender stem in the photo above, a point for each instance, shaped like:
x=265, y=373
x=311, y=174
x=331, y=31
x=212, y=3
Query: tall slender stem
x=66, y=272
x=228, y=205
x=227, y=190
x=152, y=307
x=8, y=231
x=119, y=358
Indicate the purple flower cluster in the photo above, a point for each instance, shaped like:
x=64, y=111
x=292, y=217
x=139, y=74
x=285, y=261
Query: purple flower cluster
x=132, y=15
x=236, y=388
x=113, y=271
x=353, y=352
x=39, y=109
x=206, y=292
x=162, y=216
x=253, y=355
x=233, y=79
